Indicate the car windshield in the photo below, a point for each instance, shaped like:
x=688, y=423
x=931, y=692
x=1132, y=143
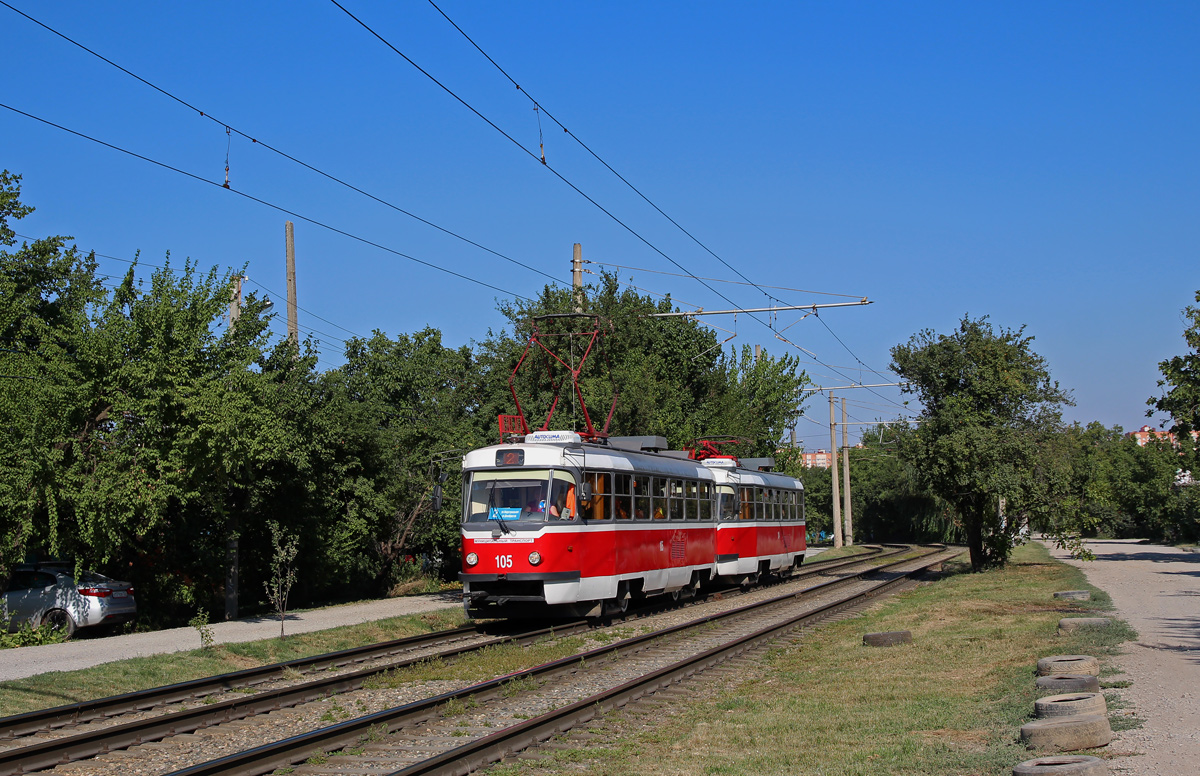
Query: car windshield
x=512, y=495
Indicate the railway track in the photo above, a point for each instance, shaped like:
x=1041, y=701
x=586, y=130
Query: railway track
x=24, y=757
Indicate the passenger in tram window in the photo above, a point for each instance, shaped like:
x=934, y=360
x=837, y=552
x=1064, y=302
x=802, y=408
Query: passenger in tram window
x=658, y=511
x=622, y=508
x=564, y=501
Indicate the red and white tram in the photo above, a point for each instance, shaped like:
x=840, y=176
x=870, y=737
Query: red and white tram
x=557, y=526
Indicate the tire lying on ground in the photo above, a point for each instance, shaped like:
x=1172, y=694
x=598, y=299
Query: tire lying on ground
x=1069, y=704
x=1074, y=595
x=1068, y=664
x=1072, y=624
x=1062, y=765
x=1067, y=734
x=887, y=638
x=1069, y=683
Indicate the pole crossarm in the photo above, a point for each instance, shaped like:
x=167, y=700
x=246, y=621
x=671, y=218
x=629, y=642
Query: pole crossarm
x=813, y=307
x=822, y=388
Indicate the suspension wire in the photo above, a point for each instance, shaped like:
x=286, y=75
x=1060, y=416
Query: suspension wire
x=272, y=149
x=597, y=156
x=264, y=202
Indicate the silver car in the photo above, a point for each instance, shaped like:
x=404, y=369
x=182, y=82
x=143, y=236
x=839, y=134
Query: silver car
x=48, y=595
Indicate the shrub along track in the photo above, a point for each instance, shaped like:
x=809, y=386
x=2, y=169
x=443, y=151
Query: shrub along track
x=116, y=735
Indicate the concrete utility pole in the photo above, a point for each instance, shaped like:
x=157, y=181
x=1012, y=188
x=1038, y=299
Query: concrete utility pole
x=293, y=321
x=577, y=276
x=231, y=541
x=833, y=476
x=846, y=479
x=757, y=353
x=235, y=300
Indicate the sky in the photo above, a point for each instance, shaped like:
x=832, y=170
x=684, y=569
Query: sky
x=1035, y=163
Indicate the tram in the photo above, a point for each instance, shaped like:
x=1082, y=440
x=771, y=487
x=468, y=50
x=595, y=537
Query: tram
x=558, y=525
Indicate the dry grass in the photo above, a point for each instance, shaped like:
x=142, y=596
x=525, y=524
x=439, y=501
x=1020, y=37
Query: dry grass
x=949, y=703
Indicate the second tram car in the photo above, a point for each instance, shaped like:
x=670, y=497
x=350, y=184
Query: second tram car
x=556, y=526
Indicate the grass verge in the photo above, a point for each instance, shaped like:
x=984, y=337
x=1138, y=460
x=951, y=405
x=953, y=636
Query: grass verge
x=62, y=687
x=952, y=702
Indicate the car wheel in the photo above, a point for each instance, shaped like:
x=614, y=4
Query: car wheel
x=59, y=621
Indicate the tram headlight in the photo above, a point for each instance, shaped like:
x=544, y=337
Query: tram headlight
x=535, y=558
x=472, y=559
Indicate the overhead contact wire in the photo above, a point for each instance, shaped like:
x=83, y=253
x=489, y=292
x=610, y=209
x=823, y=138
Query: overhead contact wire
x=596, y=156
x=265, y=203
x=274, y=150
x=536, y=158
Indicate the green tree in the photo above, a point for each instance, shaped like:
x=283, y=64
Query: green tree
x=672, y=376
x=47, y=298
x=988, y=402
x=1181, y=389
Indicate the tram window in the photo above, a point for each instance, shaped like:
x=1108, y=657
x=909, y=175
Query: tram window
x=641, y=498
x=747, y=504
x=600, y=507
x=508, y=495
x=705, y=496
x=624, y=484
x=729, y=503
x=690, y=509
x=776, y=506
x=658, y=490
x=621, y=507
x=676, y=512
x=561, y=505
x=760, y=508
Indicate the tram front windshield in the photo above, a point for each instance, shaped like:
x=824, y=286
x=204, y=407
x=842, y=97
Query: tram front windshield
x=509, y=495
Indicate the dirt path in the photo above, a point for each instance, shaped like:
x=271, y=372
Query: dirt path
x=1155, y=589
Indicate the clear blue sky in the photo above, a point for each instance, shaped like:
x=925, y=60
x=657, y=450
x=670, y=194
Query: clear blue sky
x=1033, y=162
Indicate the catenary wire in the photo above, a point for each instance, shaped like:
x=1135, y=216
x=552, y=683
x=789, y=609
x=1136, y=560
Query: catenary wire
x=536, y=158
x=719, y=280
x=283, y=154
x=384, y=202
x=252, y=280
x=538, y=106
x=271, y=205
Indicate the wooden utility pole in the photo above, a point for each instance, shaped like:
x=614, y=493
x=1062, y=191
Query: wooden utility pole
x=846, y=511
x=577, y=276
x=293, y=321
x=833, y=476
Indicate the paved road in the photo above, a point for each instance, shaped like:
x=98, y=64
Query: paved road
x=1155, y=589
x=88, y=652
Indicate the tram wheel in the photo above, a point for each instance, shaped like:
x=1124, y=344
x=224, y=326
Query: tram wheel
x=614, y=607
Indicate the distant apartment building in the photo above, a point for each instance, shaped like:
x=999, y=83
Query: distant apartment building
x=820, y=459
x=1144, y=434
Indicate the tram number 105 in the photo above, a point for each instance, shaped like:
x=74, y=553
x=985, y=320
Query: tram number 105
x=504, y=561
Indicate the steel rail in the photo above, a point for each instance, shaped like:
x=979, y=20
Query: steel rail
x=59, y=751
x=289, y=751
x=84, y=711
x=489, y=749
x=100, y=708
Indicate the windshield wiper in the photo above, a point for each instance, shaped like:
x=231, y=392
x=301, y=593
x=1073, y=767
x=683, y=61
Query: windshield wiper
x=499, y=519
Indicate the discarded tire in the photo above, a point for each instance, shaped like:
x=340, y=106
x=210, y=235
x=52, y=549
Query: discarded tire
x=1062, y=765
x=1074, y=595
x=1072, y=624
x=1067, y=734
x=887, y=638
x=1069, y=683
x=1069, y=704
x=1068, y=664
